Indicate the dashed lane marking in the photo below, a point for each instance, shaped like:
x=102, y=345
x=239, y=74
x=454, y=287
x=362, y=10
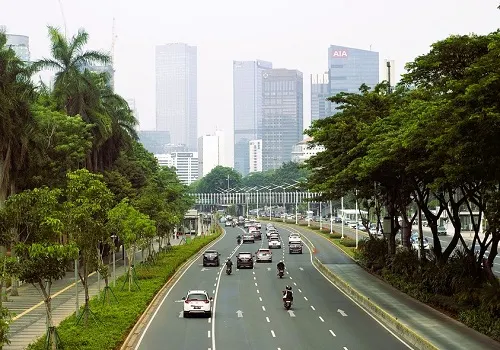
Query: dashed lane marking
x=305, y=298
x=209, y=334
x=260, y=298
x=321, y=318
x=312, y=307
x=268, y=320
x=272, y=333
x=263, y=308
x=332, y=333
x=258, y=291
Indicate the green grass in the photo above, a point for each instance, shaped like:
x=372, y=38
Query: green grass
x=119, y=318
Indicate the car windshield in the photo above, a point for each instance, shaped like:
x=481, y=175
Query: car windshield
x=263, y=251
x=197, y=296
x=274, y=239
x=245, y=255
x=210, y=252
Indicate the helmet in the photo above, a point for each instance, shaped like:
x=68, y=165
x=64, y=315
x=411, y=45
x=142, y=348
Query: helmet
x=288, y=288
x=281, y=261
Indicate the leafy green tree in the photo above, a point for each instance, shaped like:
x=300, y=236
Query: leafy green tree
x=219, y=179
x=134, y=228
x=16, y=95
x=41, y=257
x=88, y=201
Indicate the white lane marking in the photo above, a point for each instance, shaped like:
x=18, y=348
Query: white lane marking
x=321, y=318
x=305, y=298
x=260, y=298
x=209, y=334
x=287, y=272
x=301, y=269
x=172, y=287
x=267, y=319
x=263, y=308
x=312, y=307
x=332, y=332
x=272, y=333
x=255, y=278
x=300, y=290
x=340, y=290
x=180, y=314
x=215, y=284
x=255, y=284
x=258, y=291
x=345, y=348
x=210, y=320
x=291, y=278
x=294, y=283
x=253, y=272
x=213, y=292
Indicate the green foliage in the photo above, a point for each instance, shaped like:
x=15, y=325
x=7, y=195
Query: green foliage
x=287, y=173
x=217, y=180
x=120, y=318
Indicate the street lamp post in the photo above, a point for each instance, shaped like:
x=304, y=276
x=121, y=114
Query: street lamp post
x=270, y=206
x=331, y=218
x=308, y=210
x=284, y=205
x=114, y=259
x=343, y=216
x=320, y=217
x=257, y=204
x=356, y=219
x=296, y=207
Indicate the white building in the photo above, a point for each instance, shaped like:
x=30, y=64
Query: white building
x=389, y=70
x=302, y=151
x=19, y=43
x=177, y=93
x=255, y=152
x=211, y=150
x=185, y=164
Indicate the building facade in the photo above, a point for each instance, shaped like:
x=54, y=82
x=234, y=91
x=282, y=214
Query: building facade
x=283, y=115
x=177, y=93
x=184, y=163
x=255, y=152
x=106, y=69
x=302, y=151
x=389, y=72
x=349, y=68
x=20, y=44
x=154, y=141
x=247, y=108
x=211, y=150
x=320, y=91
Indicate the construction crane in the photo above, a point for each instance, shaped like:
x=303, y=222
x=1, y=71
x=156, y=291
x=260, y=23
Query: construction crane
x=113, y=43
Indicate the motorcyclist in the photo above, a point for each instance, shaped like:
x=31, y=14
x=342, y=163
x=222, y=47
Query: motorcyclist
x=229, y=263
x=238, y=239
x=288, y=294
x=280, y=266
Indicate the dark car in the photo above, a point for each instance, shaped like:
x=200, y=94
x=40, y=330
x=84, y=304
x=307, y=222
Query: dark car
x=257, y=235
x=211, y=258
x=244, y=259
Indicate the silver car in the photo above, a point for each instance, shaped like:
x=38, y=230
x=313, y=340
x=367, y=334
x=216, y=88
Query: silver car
x=264, y=255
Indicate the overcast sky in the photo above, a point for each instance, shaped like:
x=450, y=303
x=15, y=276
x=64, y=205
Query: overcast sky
x=293, y=34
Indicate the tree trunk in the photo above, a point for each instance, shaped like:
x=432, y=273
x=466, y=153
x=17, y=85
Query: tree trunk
x=130, y=258
x=84, y=277
x=420, y=234
x=47, y=299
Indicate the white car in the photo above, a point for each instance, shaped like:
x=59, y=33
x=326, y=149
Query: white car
x=229, y=223
x=258, y=225
x=293, y=235
x=197, y=302
x=274, y=243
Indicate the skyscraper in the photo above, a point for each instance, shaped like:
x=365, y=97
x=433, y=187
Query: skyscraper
x=177, y=93
x=320, y=107
x=19, y=43
x=255, y=156
x=247, y=108
x=283, y=115
x=349, y=68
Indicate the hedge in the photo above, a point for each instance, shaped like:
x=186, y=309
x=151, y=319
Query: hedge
x=119, y=318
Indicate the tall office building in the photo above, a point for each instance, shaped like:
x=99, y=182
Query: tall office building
x=255, y=151
x=283, y=115
x=247, y=108
x=389, y=72
x=185, y=164
x=19, y=43
x=320, y=107
x=107, y=69
x=349, y=68
x=177, y=93
x=210, y=152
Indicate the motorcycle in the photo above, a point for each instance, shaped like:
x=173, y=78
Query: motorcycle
x=238, y=240
x=281, y=273
x=287, y=303
x=229, y=269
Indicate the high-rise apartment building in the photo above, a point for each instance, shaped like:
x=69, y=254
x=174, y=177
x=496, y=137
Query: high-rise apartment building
x=283, y=114
x=320, y=91
x=210, y=152
x=177, y=93
x=255, y=151
x=185, y=164
x=349, y=68
x=247, y=108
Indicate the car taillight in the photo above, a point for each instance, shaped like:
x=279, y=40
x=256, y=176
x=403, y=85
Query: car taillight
x=207, y=301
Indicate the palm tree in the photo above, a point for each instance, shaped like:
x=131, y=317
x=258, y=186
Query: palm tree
x=69, y=60
x=16, y=95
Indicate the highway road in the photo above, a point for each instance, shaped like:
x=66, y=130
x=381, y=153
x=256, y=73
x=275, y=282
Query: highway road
x=249, y=314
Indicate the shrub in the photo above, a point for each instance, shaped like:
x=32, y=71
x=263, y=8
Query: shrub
x=119, y=318
x=348, y=242
x=335, y=235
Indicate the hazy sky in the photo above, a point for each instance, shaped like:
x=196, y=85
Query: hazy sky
x=291, y=33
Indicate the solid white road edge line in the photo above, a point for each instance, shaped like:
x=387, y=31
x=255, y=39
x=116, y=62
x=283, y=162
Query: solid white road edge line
x=172, y=287
x=347, y=295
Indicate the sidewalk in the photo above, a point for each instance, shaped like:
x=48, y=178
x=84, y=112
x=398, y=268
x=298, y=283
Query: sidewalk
x=29, y=321
x=394, y=307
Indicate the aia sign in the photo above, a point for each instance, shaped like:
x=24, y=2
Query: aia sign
x=339, y=54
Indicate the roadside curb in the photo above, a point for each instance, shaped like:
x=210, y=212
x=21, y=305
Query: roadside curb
x=371, y=307
x=135, y=333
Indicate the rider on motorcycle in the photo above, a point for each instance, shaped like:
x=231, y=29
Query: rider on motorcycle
x=281, y=266
x=229, y=263
x=238, y=238
x=288, y=294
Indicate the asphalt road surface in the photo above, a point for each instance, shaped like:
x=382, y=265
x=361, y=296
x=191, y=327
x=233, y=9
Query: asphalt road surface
x=249, y=314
